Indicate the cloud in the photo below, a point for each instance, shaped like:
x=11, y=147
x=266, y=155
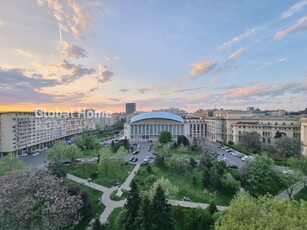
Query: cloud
x=270, y=91
x=16, y=87
x=188, y=90
x=104, y=74
x=299, y=26
x=238, y=38
x=199, y=68
x=71, y=15
x=237, y=53
x=24, y=53
x=147, y=89
x=267, y=64
x=124, y=90
x=294, y=9
x=114, y=99
x=74, y=71
x=1, y=23
x=73, y=51
x=110, y=58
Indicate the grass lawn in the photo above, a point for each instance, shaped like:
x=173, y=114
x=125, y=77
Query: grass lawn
x=117, y=172
x=98, y=207
x=302, y=195
x=112, y=218
x=93, y=152
x=179, y=154
x=107, y=134
x=116, y=198
x=184, y=184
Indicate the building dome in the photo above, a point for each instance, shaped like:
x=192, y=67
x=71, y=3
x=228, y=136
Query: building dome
x=156, y=115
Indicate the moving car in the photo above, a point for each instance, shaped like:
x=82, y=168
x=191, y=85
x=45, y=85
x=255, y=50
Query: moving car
x=233, y=166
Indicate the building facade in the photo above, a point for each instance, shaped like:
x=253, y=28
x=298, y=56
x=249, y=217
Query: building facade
x=304, y=135
x=27, y=131
x=130, y=108
x=149, y=125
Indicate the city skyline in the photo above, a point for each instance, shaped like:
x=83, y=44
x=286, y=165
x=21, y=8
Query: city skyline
x=158, y=54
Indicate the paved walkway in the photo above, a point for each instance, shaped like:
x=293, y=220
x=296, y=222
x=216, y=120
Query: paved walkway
x=189, y=204
x=105, y=198
x=297, y=188
x=111, y=204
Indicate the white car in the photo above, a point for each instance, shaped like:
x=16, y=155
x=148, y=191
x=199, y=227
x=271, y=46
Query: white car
x=35, y=154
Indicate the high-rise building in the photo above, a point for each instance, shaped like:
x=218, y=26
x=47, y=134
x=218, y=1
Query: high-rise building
x=130, y=108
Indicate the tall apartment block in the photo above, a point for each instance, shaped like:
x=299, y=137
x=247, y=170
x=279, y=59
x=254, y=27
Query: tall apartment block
x=26, y=131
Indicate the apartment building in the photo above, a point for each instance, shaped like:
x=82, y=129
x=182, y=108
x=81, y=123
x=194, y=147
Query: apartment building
x=304, y=135
x=27, y=131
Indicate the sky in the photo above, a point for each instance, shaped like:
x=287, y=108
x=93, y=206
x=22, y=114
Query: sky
x=199, y=54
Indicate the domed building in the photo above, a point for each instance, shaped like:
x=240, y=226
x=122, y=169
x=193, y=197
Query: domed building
x=149, y=125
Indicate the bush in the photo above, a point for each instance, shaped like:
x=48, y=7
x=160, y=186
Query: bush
x=148, y=169
x=230, y=142
x=57, y=169
x=94, y=175
x=150, y=180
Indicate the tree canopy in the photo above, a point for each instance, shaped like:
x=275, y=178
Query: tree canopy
x=247, y=212
x=165, y=137
x=10, y=162
x=251, y=140
x=32, y=199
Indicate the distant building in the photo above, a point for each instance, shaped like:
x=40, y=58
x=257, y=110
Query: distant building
x=149, y=125
x=173, y=110
x=130, y=108
x=304, y=135
x=27, y=131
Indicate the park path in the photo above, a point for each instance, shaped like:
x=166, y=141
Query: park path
x=189, y=204
x=110, y=205
x=297, y=188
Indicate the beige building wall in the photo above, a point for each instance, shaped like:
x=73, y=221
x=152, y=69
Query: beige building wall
x=304, y=135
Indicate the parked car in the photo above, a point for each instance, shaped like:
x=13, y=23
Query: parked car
x=35, y=154
x=135, y=159
x=23, y=154
x=135, y=152
x=233, y=166
x=131, y=159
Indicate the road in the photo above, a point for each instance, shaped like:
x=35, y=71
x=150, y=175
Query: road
x=143, y=152
x=38, y=161
x=212, y=146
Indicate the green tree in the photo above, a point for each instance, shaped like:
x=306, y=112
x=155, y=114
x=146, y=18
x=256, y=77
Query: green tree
x=105, y=160
x=247, y=212
x=10, y=162
x=251, y=141
x=169, y=190
x=279, y=134
x=165, y=137
x=178, y=216
x=72, y=152
x=262, y=176
x=206, y=178
x=293, y=182
x=212, y=207
x=161, y=211
x=288, y=147
x=132, y=207
x=57, y=168
x=182, y=140
x=57, y=152
x=299, y=163
x=145, y=221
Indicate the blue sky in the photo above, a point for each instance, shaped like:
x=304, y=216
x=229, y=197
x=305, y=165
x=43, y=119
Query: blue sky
x=159, y=54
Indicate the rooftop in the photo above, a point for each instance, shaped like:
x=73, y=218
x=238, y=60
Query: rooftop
x=157, y=115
